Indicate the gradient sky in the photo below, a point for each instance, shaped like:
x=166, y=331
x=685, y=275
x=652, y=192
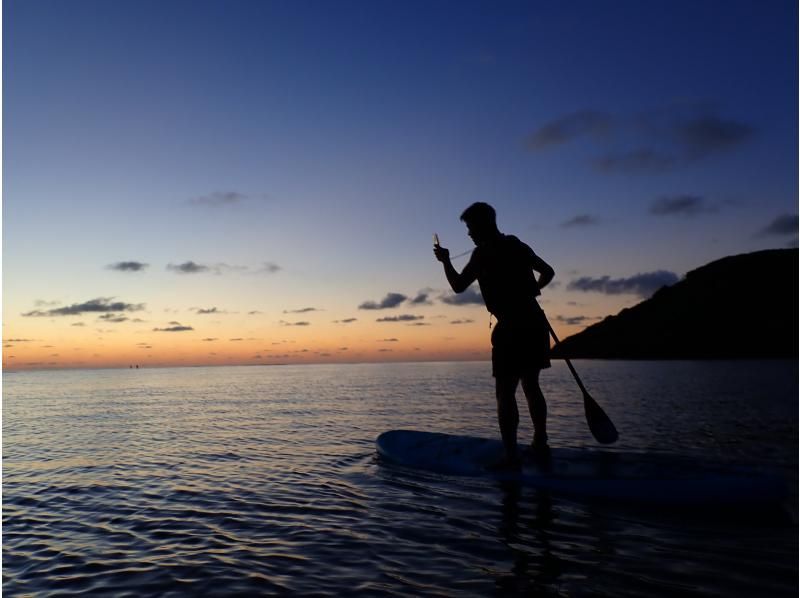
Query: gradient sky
x=191, y=182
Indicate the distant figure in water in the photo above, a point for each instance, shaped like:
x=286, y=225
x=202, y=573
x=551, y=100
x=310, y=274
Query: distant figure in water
x=504, y=267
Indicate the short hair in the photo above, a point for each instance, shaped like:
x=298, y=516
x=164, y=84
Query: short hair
x=480, y=213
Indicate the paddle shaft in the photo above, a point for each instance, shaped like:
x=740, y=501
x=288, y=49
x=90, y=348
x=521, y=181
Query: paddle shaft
x=569, y=363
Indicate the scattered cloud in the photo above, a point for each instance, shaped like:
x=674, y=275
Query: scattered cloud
x=637, y=161
x=468, y=297
x=128, y=266
x=221, y=268
x=302, y=310
x=218, y=199
x=268, y=268
x=346, y=321
x=681, y=205
x=209, y=340
x=389, y=340
x=710, y=134
x=402, y=318
x=422, y=298
x=99, y=305
x=656, y=141
x=189, y=267
x=786, y=224
x=580, y=220
x=462, y=321
x=302, y=323
x=209, y=311
x=113, y=318
x=569, y=127
x=174, y=327
x=574, y=320
x=390, y=301
x=643, y=285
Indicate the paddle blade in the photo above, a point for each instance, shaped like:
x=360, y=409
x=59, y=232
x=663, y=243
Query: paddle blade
x=600, y=424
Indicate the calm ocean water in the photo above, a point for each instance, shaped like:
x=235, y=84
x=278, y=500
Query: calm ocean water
x=263, y=481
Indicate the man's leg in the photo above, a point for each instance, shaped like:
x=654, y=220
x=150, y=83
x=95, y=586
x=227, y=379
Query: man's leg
x=537, y=408
x=507, y=413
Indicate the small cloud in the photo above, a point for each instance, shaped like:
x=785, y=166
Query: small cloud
x=189, y=267
x=100, y=305
x=680, y=205
x=346, y=321
x=468, y=297
x=643, y=285
x=462, y=321
x=574, y=320
x=128, y=266
x=209, y=311
x=268, y=268
x=422, y=298
x=218, y=198
x=113, y=318
x=302, y=310
x=301, y=323
x=255, y=312
x=209, y=340
x=390, y=301
x=786, y=224
x=657, y=141
x=580, y=220
x=174, y=327
x=569, y=127
x=403, y=318
x=389, y=340
x=78, y=324
x=43, y=303
x=638, y=161
x=710, y=134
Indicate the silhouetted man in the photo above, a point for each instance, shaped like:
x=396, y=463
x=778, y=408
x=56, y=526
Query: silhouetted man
x=504, y=267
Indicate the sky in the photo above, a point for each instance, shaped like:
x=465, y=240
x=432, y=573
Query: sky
x=258, y=182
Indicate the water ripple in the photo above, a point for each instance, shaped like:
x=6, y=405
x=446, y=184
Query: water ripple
x=263, y=481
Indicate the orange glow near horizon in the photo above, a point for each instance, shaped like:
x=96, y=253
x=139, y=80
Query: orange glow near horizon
x=60, y=347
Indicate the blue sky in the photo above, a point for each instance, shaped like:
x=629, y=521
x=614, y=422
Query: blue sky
x=303, y=153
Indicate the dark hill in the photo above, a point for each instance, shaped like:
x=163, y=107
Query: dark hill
x=742, y=306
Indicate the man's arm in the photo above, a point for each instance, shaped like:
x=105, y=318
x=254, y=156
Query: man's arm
x=458, y=282
x=546, y=272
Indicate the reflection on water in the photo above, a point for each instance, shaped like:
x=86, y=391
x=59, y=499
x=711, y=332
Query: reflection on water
x=263, y=481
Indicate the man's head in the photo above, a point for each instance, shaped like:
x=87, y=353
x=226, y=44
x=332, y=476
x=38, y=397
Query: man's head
x=481, y=221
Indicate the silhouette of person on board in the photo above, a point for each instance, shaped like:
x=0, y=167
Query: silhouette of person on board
x=504, y=267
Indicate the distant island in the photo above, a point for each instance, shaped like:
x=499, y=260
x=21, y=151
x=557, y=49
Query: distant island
x=738, y=307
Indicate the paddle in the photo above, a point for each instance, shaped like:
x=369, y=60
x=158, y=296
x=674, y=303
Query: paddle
x=600, y=424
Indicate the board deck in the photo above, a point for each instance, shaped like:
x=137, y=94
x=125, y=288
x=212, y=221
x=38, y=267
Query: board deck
x=641, y=477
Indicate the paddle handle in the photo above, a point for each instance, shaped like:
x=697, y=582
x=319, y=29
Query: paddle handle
x=569, y=363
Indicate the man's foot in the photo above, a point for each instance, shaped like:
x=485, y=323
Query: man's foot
x=539, y=454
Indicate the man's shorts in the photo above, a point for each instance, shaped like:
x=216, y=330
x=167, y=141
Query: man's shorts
x=520, y=346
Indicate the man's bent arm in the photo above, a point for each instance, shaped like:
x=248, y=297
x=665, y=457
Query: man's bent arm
x=546, y=272
x=458, y=282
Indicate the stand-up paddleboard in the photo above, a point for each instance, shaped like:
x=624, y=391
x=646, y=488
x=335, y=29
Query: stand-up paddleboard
x=600, y=474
